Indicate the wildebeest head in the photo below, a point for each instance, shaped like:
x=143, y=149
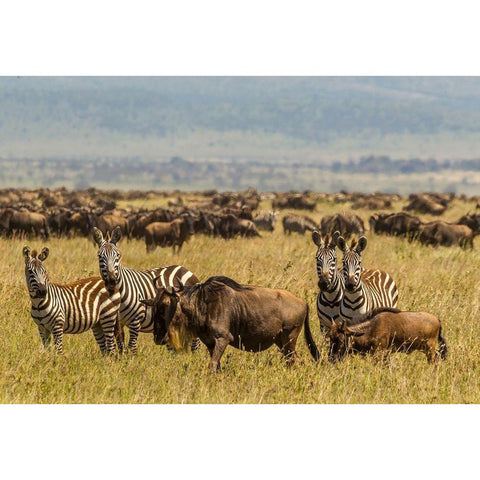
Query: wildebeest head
x=352, y=261
x=340, y=340
x=326, y=258
x=109, y=256
x=35, y=273
x=169, y=322
x=189, y=222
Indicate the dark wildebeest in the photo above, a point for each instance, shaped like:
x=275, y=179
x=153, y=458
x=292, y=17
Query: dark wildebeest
x=222, y=312
x=297, y=223
x=24, y=222
x=266, y=220
x=231, y=226
x=169, y=234
x=425, y=203
x=108, y=222
x=386, y=330
x=396, y=224
x=347, y=224
x=446, y=234
x=471, y=220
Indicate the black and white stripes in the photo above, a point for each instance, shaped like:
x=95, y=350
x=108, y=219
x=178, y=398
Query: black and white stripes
x=329, y=280
x=72, y=308
x=135, y=285
x=364, y=289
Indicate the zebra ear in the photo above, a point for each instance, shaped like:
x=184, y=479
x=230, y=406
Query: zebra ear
x=341, y=244
x=97, y=236
x=26, y=252
x=362, y=243
x=317, y=239
x=116, y=235
x=43, y=254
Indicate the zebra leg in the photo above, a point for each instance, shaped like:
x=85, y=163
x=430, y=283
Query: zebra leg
x=119, y=335
x=58, y=336
x=108, y=326
x=196, y=344
x=99, y=337
x=134, y=328
x=45, y=335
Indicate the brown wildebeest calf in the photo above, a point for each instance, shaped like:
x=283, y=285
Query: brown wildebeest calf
x=222, y=312
x=388, y=330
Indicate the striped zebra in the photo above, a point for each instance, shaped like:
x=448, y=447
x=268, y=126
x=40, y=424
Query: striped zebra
x=135, y=285
x=72, y=308
x=330, y=281
x=364, y=290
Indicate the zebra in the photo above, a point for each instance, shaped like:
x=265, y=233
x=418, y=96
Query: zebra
x=330, y=281
x=73, y=308
x=135, y=285
x=364, y=290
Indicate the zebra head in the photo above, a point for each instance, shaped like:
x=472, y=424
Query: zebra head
x=326, y=258
x=109, y=256
x=352, y=261
x=35, y=273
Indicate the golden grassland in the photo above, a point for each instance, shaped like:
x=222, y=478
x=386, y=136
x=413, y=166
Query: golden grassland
x=443, y=281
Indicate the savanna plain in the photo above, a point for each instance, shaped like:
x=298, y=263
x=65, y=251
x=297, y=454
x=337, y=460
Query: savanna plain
x=443, y=281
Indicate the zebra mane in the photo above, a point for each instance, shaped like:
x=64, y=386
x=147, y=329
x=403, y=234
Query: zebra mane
x=369, y=315
x=33, y=254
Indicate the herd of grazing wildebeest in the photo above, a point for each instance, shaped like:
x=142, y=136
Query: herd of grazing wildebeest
x=356, y=306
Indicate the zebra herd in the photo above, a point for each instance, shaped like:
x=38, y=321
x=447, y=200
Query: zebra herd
x=116, y=299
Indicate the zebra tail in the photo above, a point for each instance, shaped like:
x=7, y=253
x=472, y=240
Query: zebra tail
x=442, y=346
x=309, y=338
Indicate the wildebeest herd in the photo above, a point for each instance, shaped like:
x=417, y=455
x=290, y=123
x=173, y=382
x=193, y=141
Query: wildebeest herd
x=356, y=306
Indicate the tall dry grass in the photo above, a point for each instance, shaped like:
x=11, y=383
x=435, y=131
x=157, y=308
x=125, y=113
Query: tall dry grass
x=443, y=281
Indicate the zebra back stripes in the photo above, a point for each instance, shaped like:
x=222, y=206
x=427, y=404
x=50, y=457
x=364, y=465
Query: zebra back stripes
x=135, y=285
x=72, y=308
x=330, y=282
x=364, y=290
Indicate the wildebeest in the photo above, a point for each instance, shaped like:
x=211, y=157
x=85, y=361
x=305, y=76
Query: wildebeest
x=266, y=220
x=298, y=223
x=231, y=226
x=396, y=224
x=169, y=234
x=471, y=220
x=107, y=222
x=446, y=234
x=388, y=330
x=24, y=222
x=347, y=224
x=425, y=203
x=222, y=312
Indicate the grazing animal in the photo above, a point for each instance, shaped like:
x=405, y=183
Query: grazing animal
x=347, y=224
x=169, y=234
x=364, y=290
x=297, y=223
x=222, y=312
x=231, y=226
x=24, y=222
x=388, y=330
x=446, y=234
x=399, y=224
x=330, y=280
x=134, y=285
x=266, y=220
x=73, y=308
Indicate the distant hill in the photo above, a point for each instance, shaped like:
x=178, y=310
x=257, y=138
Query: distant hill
x=271, y=120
